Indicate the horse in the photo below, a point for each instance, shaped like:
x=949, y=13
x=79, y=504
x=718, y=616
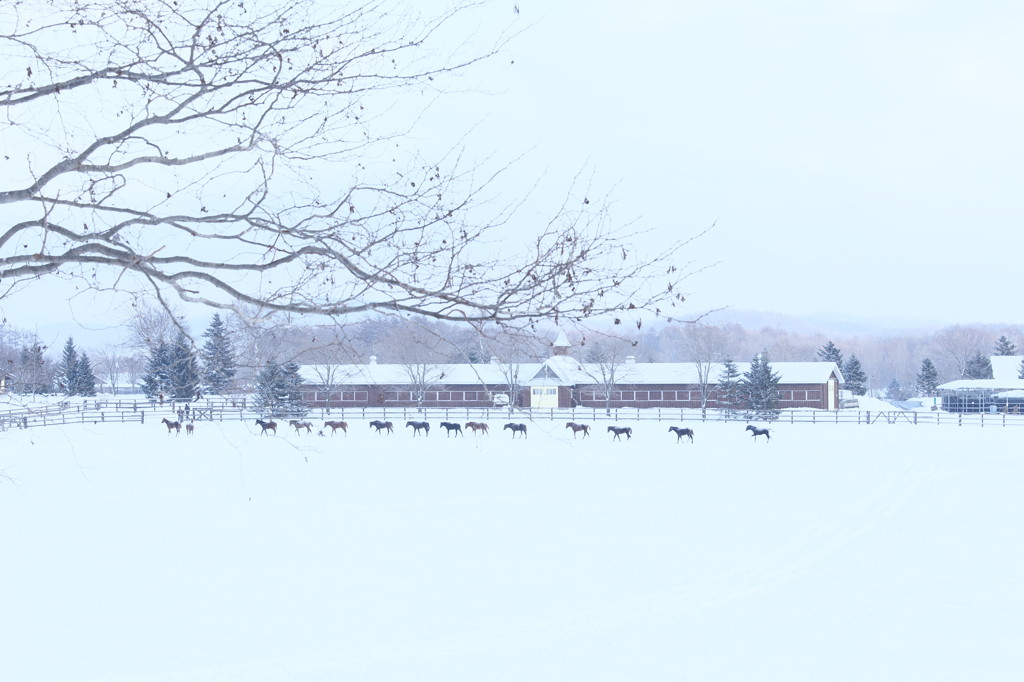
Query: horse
x=477, y=426
x=380, y=426
x=576, y=428
x=619, y=430
x=452, y=427
x=337, y=425
x=680, y=432
x=172, y=426
x=416, y=426
x=516, y=428
x=267, y=426
x=189, y=428
x=298, y=426
x=755, y=432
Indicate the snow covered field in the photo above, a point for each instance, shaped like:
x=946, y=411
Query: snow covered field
x=833, y=552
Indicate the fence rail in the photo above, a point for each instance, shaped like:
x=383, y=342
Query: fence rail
x=125, y=411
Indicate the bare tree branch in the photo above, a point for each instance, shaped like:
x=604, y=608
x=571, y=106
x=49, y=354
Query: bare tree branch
x=242, y=155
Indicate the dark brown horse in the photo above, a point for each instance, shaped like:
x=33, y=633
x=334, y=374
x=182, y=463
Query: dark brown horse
x=516, y=428
x=172, y=426
x=266, y=426
x=680, y=432
x=478, y=426
x=576, y=428
x=380, y=426
x=755, y=432
x=417, y=426
x=449, y=427
x=619, y=430
x=337, y=425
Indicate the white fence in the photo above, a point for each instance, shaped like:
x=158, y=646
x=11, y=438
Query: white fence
x=97, y=411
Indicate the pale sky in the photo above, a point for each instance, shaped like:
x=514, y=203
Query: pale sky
x=848, y=152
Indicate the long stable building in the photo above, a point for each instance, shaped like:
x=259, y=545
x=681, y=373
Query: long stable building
x=559, y=381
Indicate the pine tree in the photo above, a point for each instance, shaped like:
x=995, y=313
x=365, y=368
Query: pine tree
x=729, y=389
x=183, y=371
x=895, y=391
x=292, y=384
x=278, y=391
x=269, y=389
x=219, y=366
x=830, y=353
x=157, y=379
x=84, y=377
x=66, y=378
x=761, y=388
x=1020, y=370
x=31, y=370
x=856, y=379
x=1005, y=347
x=978, y=366
x=927, y=379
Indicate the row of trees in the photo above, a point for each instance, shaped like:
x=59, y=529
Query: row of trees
x=177, y=371
x=755, y=391
x=234, y=351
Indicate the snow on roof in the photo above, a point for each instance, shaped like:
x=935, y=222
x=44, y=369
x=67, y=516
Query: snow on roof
x=982, y=385
x=398, y=374
x=1006, y=366
x=557, y=370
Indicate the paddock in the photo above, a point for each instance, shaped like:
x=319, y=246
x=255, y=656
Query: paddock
x=544, y=559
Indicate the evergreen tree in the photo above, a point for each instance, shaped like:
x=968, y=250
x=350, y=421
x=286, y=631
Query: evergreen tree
x=32, y=375
x=292, y=394
x=157, y=379
x=219, y=366
x=1020, y=370
x=1005, y=347
x=84, y=377
x=730, y=394
x=830, y=353
x=269, y=389
x=66, y=379
x=761, y=388
x=895, y=391
x=856, y=379
x=278, y=391
x=978, y=367
x=927, y=379
x=183, y=371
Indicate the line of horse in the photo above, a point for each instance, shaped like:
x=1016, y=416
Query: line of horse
x=476, y=427
x=270, y=426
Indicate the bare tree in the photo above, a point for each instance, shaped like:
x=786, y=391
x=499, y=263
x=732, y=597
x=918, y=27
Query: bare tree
x=956, y=345
x=148, y=325
x=607, y=365
x=241, y=153
x=707, y=346
x=108, y=367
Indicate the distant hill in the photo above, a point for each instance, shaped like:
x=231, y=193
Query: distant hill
x=827, y=324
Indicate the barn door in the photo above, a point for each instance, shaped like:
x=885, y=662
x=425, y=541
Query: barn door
x=544, y=396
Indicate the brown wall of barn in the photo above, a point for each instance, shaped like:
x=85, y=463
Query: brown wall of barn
x=468, y=395
x=475, y=395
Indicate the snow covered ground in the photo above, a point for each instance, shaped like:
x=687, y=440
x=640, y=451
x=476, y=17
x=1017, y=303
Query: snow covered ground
x=832, y=552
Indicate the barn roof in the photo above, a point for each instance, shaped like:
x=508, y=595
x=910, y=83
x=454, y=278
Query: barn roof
x=1006, y=366
x=559, y=370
